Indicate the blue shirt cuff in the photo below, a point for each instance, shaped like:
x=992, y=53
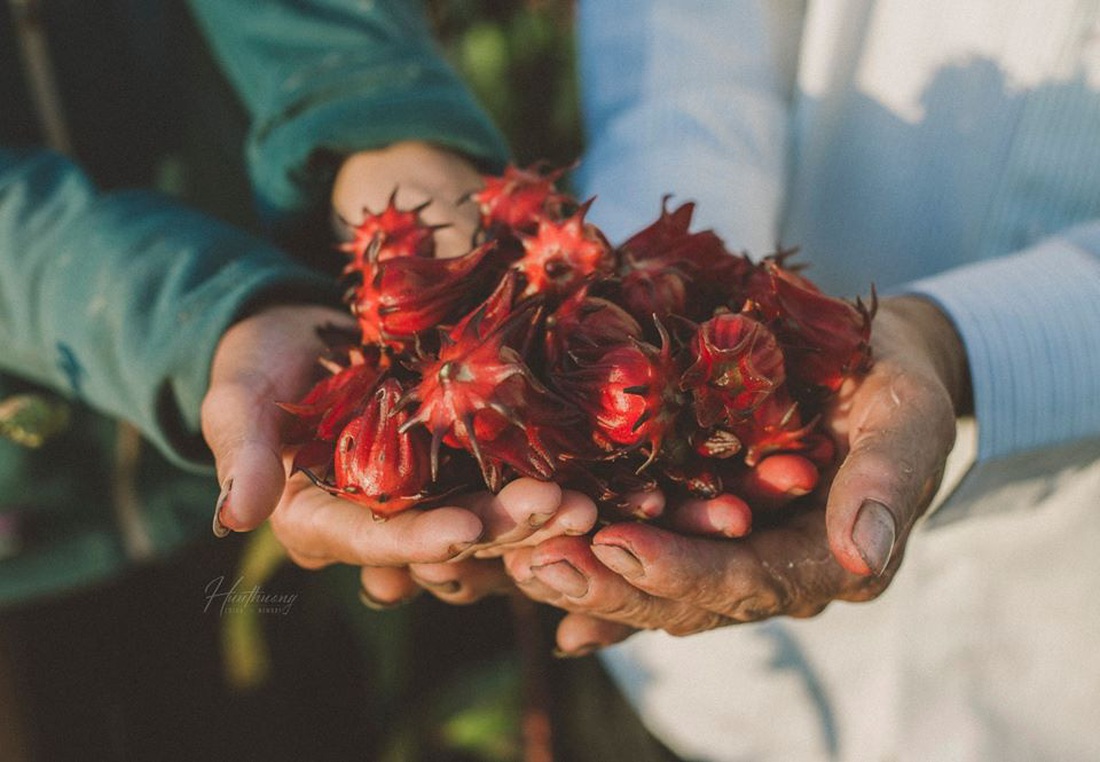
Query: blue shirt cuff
x=1031, y=326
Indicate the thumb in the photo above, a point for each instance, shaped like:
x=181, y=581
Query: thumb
x=901, y=429
x=263, y=359
x=241, y=425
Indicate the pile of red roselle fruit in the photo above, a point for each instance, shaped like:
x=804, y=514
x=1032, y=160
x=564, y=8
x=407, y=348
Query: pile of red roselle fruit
x=667, y=362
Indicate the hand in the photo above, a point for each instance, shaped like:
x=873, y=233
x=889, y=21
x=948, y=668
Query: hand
x=447, y=550
x=268, y=357
x=271, y=356
x=450, y=550
x=419, y=173
x=895, y=428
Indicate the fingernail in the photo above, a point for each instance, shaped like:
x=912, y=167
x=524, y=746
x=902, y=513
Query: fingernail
x=536, y=520
x=563, y=577
x=874, y=535
x=374, y=604
x=220, y=529
x=449, y=587
x=460, y=551
x=577, y=652
x=619, y=559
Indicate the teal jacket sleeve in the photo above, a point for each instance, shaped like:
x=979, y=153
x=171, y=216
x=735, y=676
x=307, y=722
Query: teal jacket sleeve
x=119, y=299
x=324, y=78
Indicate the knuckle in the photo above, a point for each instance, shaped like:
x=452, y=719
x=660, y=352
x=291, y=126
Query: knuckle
x=866, y=589
x=638, y=611
x=309, y=563
x=764, y=604
x=672, y=586
x=808, y=610
x=694, y=622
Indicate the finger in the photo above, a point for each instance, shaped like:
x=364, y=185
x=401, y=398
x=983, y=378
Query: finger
x=723, y=516
x=513, y=514
x=568, y=565
x=716, y=575
x=902, y=427
x=312, y=563
x=581, y=634
x=777, y=480
x=575, y=516
x=312, y=523
x=784, y=570
x=265, y=358
x=644, y=504
x=462, y=582
x=386, y=587
x=517, y=564
x=241, y=427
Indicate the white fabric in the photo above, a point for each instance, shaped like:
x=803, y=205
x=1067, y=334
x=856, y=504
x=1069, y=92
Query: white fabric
x=984, y=648
x=948, y=148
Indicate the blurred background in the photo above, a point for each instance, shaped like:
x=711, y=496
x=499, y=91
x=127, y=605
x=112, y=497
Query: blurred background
x=146, y=667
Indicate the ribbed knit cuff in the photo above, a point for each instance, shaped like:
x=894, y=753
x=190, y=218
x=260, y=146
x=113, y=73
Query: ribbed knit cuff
x=1031, y=326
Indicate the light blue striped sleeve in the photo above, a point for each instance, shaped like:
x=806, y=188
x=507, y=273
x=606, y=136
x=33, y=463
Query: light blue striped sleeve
x=1031, y=326
x=688, y=99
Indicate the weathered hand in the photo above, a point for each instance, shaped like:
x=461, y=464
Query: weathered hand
x=895, y=428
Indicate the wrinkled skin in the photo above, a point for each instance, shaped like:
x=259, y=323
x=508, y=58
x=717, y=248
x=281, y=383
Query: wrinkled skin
x=270, y=356
x=895, y=428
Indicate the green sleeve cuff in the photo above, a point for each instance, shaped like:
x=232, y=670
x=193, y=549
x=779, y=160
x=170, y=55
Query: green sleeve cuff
x=325, y=78
x=293, y=157
x=120, y=299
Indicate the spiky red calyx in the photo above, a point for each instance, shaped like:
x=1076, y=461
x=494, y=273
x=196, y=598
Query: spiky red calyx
x=393, y=232
x=403, y=296
x=378, y=462
x=538, y=354
x=630, y=392
x=825, y=338
x=336, y=398
x=478, y=394
x=665, y=269
x=562, y=254
x=736, y=364
x=583, y=326
x=519, y=199
x=776, y=425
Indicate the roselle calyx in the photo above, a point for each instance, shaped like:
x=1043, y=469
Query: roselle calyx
x=665, y=363
x=630, y=393
x=393, y=232
x=378, y=463
x=519, y=199
x=736, y=364
x=562, y=254
x=665, y=269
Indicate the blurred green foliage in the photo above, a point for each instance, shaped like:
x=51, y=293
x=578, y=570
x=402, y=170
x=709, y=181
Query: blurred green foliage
x=518, y=57
x=31, y=419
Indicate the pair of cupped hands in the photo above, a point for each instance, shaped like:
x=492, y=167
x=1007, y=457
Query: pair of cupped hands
x=894, y=428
